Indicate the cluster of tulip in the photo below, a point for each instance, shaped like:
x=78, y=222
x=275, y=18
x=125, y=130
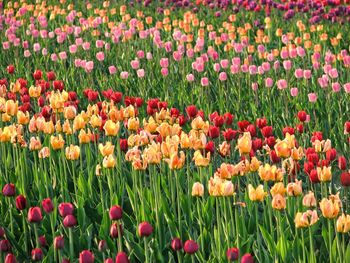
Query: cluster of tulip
x=162, y=155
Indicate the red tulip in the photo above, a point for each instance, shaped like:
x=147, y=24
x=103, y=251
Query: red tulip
x=182, y=120
x=257, y=144
x=176, y=244
x=267, y=131
x=117, y=97
x=317, y=135
x=331, y=154
x=345, y=178
x=37, y=254
x=10, y=258
x=65, y=260
x=274, y=158
x=191, y=111
x=347, y=127
x=232, y=254
x=210, y=147
x=191, y=247
x=247, y=258
x=228, y=117
x=21, y=202
x=5, y=245
x=145, y=229
x=108, y=260
x=214, y=132
x=122, y=257
x=113, y=231
x=302, y=116
x=218, y=121
x=50, y=76
x=42, y=241
x=102, y=245
x=34, y=215
x=342, y=163
x=47, y=205
x=58, y=242
x=123, y=145
x=86, y=256
x=261, y=122
x=300, y=128
x=289, y=130
x=229, y=134
x=308, y=166
x=174, y=112
x=251, y=129
x=69, y=221
x=37, y=74
x=9, y=190
x=116, y=212
x=65, y=209
x=10, y=69
x=271, y=141
x=313, y=176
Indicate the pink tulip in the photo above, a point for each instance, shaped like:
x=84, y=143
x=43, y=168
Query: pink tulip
x=336, y=87
x=312, y=97
x=86, y=45
x=112, y=70
x=190, y=53
x=276, y=65
x=253, y=70
x=224, y=63
x=99, y=43
x=284, y=54
x=27, y=53
x=270, y=57
x=164, y=62
x=100, y=56
x=287, y=64
x=62, y=55
x=268, y=82
x=298, y=73
x=44, y=51
x=347, y=87
x=89, y=66
x=294, y=92
x=73, y=49
x=124, y=75
x=190, y=77
x=140, y=54
x=333, y=73
x=301, y=51
x=5, y=45
x=222, y=76
x=293, y=53
x=235, y=69
x=266, y=66
x=307, y=74
x=204, y=82
x=216, y=67
x=141, y=73
x=164, y=71
x=79, y=41
x=135, y=64
x=254, y=86
x=36, y=47
x=261, y=49
x=149, y=56
x=177, y=56
x=53, y=57
x=282, y=84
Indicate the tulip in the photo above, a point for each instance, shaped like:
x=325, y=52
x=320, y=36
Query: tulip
x=86, y=256
x=122, y=257
x=330, y=208
x=9, y=190
x=21, y=202
x=47, y=205
x=72, y=152
x=176, y=244
x=69, y=221
x=115, y=212
x=191, y=247
x=306, y=219
x=42, y=241
x=257, y=194
x=244, y=143
x=145, y=229
x=5, y=245
x=65, y=209
x=247, y=258
x=37, y=254
x=58, y=242
x=232, y=254
x=114, y=231
x=10, y=258
x=34, y=215
x=278, y=202
x=343, y=224
x=345, y=179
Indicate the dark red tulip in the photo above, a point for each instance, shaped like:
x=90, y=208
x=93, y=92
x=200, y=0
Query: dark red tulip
x=289, y=130
x=5, y=245
x=102, y=245
x=243, y=125
x=116, y=212
x=69, y=221
x=191, y=247
x=42, y=241
x=300, y=128
x=123, y=145
x=122, y=257
x=182, y=120
x=219, y=121
x=274, y=158
x=50, y=76
x=37, y=254
x=345, y=178
x=109, y=260
x=86, y=256
x=58, y=242
x=47, y=205
x=210, y=147
x=10, y=69
x=176, y=244
x=37, y=74
x=257, y=144
x=247, y=258
x=331, y=154
x=313, y=158
x=113, y=231
x=266, y=131
x=174, y=112
x=261, y=122
x=191, y=111
x=313, y=176
x=308, y=166
x=10, y=258
x=228, y=117
x=214, y=132
x=251, y=129
x=34, y=215
x=232, y=254
x=342, y=163
x=9, y=190
x=145, y=229
x=21, y=202
x=229, y=134
x=65, y=260
x=65, y=209
x=302, y=116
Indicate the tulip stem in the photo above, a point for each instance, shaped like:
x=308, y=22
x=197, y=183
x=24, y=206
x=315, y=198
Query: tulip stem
x=312, y=258
x=25, y=232
x=71, y=243
x=36, y=235
x=303, y=245
x=11, y=216
x=338, y=242
x=120, y=245
x=146, y=249
x=330, y=241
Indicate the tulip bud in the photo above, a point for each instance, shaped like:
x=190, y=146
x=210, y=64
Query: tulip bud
x=313, y=176
x=10, y=258
x=191, y=247
x=47, y=205
x=86, y=256
x=9, y=190
x=176, y=244
x=69, y=221
x=5, y=245
x=116, y=212
x=34, y=215
x=342, y=163
x=42, y=241
x=113, y=231
x=102, y=245
x=302, y=116
x=65, y=209
x=58, y=242
x=108, y=260
x=232, y=254
x=65, y=260
x=37, y=254
x=37, y=74
x=345, y=178
x=191, y=111
x=247, y=258
x=145, y=229
x=10, y=69
x=122, y=257
x=21, y=202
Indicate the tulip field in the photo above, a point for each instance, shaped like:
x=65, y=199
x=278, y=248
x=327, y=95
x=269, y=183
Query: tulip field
x=175, y=131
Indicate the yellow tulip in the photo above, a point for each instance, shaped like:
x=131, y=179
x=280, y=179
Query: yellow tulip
x=343, y=223
x=244, y=144
x=309, y=200
x=56, y=142
x=278, y=202
x=106, y=149
x=197, y=189
x=109, y=161
x=111, y=128
x=72, y=152
x=306, y=219
x=256, y=194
